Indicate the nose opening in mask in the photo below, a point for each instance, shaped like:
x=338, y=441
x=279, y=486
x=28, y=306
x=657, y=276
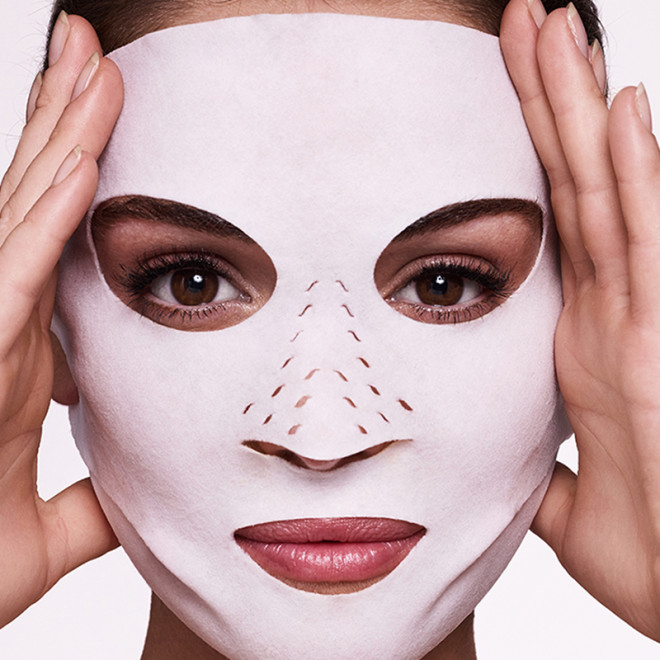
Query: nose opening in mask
x=316, y=465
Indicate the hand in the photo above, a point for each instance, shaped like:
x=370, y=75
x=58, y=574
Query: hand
x=43, y=197
x=604, y=171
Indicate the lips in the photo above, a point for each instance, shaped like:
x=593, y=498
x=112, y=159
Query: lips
x=330, y=555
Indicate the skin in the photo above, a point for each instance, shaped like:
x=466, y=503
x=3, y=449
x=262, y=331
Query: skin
x=169, y=639
x=604, y=169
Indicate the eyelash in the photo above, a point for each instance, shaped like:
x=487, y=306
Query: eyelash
x=136, y=281
x=495, y=283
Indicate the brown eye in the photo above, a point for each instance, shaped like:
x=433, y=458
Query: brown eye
x=193, y=287
x=440, y=289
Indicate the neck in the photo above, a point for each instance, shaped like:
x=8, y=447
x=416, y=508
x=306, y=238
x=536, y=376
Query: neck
x=169, y=639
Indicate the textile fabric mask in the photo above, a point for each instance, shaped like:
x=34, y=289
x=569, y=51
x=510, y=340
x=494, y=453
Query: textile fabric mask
x=321, y=137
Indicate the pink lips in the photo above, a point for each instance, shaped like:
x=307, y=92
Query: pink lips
x=329, y=550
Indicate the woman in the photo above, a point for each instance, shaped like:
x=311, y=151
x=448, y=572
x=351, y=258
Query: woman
x=539, y=521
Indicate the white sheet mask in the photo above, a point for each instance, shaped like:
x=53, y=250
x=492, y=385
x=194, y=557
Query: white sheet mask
x=321, y=137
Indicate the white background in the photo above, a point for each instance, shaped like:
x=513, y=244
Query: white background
x=100, y=611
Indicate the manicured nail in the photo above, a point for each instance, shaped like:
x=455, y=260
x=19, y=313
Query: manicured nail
x=86, y=76
x=597, y=59
x=68, y=165
x=58, y=38
x=643, y=106
x=537, y=10
x=34, y=95
x=577, y=28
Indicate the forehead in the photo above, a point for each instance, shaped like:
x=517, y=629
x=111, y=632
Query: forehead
x=340, y=116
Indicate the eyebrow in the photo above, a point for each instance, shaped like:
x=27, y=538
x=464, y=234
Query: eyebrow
x=456, y=214
x=117, y=209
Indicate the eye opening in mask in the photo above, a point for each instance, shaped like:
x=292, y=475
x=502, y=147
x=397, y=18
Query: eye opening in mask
x=180, y=266
x=461, y=261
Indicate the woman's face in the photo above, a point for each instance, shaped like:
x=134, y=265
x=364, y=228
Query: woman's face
x=311, y=320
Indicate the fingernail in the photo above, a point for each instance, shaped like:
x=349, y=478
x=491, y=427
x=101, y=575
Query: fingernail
x=537, y=10
x=577, y=28
x=68, y=165
x=643, y=106
x=86, y=76
x=597, y=59
x=58, y=38
x=34, y=95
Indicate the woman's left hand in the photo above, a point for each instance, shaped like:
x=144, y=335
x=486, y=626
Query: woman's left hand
x=604, y=171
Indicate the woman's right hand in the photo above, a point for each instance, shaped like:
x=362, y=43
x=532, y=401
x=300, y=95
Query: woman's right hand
x=43, y=197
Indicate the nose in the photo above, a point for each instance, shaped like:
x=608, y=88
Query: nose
x=325, y=401
x=298, y=460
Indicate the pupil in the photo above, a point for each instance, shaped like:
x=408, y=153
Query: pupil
x=439, y=286
x=194, y=287
x=440, y=289
x=196, y=283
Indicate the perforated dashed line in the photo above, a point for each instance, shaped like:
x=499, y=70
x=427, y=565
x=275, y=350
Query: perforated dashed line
x=348, y=311
x=311, y=374
x=277, y=391
x=405, y=405
x=341, y=375
x=374, y=390
x=302, y=401
x=294, y=429
x=287, y=363
x=247, y=408
x=364, y=362
x=267, y=419
x=362, y=430
x=307, y=307
x=311, y=286
x=296, y=336
x=350, y=402
x=355, y=336
x=342, y=285
x=383, y=416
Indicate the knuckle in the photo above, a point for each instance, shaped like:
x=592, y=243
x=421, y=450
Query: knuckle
x=9, y=184
x=594, y=187
x=562, y=187
x=7, y=221
x=45, y=99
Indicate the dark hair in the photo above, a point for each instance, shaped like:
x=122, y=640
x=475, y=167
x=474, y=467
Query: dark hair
x=119, y=22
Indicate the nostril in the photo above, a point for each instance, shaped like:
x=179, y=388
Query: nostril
x=317, y=465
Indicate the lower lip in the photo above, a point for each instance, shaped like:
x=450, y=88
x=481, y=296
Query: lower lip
x=330, y=550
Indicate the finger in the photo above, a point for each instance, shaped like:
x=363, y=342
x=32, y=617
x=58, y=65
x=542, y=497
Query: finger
x=77, y=529
x=87, y=121
x=518, y=37
x=597, y=61
x=32, y=249
x=551, y=520
x=48, y=99
x=568, y=277
x=35, y=90
x=636, y=159
x=581, y=117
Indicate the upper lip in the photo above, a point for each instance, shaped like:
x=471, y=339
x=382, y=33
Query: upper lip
x=339, y=530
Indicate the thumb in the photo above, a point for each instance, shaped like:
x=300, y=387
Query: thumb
x=551, y=520
x=79, y=529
